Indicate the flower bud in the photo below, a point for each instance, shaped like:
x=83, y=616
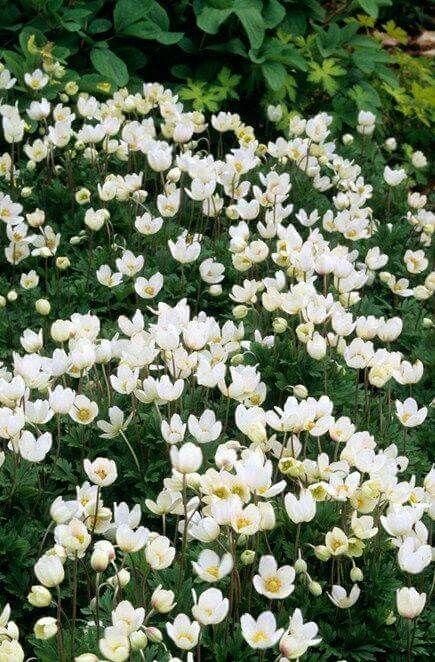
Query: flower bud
x=2, y=301
x=322, y=553
x=36, y=218
x=62, y=262
x=300, y=565
x=154, y=635
x=315, y=588
x=138, y=640
x=86, y=657
x=26, y=191
x=247, y=557
x=240, y=312
x=61, y=330
x=99, y=560
x=356, y=574
x=12, y=295
x=215, y=290
x=279, y=325
x=39, y=596
x=237, y=359
x=43, y=307
x=120, y=579
x=347, y=139
x=300, y=391
x=410, y=603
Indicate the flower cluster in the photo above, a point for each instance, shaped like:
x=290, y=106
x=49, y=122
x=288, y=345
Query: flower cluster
x=217, y=289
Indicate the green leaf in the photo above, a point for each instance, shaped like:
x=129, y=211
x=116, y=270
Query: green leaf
x=110, y=65
x=252, y=21
x=210, y=19
x=325, y=73
x=149, y=30
x=273, y=13
x=275, y=74
x=127, y=12
x=370, y=7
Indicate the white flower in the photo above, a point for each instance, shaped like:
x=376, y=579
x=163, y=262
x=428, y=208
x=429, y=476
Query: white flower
x=409, y=414
x=159, y=553
x=183, y=632
x=260, y=633
x=206, y=428
x=126, y=615
x=394, y=177
x=116, y=425
x=101, y=472
x=298, y=637
x=148, y=288
x=414, y=557
x=186, y=459
x=302, y=508
x=410, y=603
x=83, y=410
x=34, y=449
x=211, y=608
x=273, y=582
x=340, y=598
x=210, y=567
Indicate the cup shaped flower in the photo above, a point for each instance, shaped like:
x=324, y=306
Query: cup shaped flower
x=162, y=600
x=34, y=449
x=336, y=542
x=409, y=414
x=129, y=540
x=410, y=603
x=210, y=567
x=101, y=471
x=413, y=556
x=127, y=616
x=83, y=410
x=49, y=571
x=298, y=637
x=273, y=582
x=302, y=509
x=45, y=628
x=74, y=537
x=205, y=428
x=11, y=651
x=340, y=598
x=183, y=632
x=115, y=645
x=159, y=553
x=211, y=608
x=186, y=459
x=260, y=633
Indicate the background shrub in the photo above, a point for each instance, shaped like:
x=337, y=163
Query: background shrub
x=343, y=57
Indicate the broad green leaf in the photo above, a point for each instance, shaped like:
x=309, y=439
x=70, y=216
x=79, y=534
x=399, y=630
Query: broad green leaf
x=371, y=7
x=211, y=19
x=273, y=13
x=127, y=12
x=275, y=74
x=252, y=21
x=110, y=65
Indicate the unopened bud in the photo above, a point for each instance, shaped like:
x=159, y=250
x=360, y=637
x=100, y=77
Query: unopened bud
x=315, y=588
x=247, y=557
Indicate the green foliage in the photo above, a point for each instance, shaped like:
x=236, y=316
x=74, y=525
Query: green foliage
x=231, y=51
